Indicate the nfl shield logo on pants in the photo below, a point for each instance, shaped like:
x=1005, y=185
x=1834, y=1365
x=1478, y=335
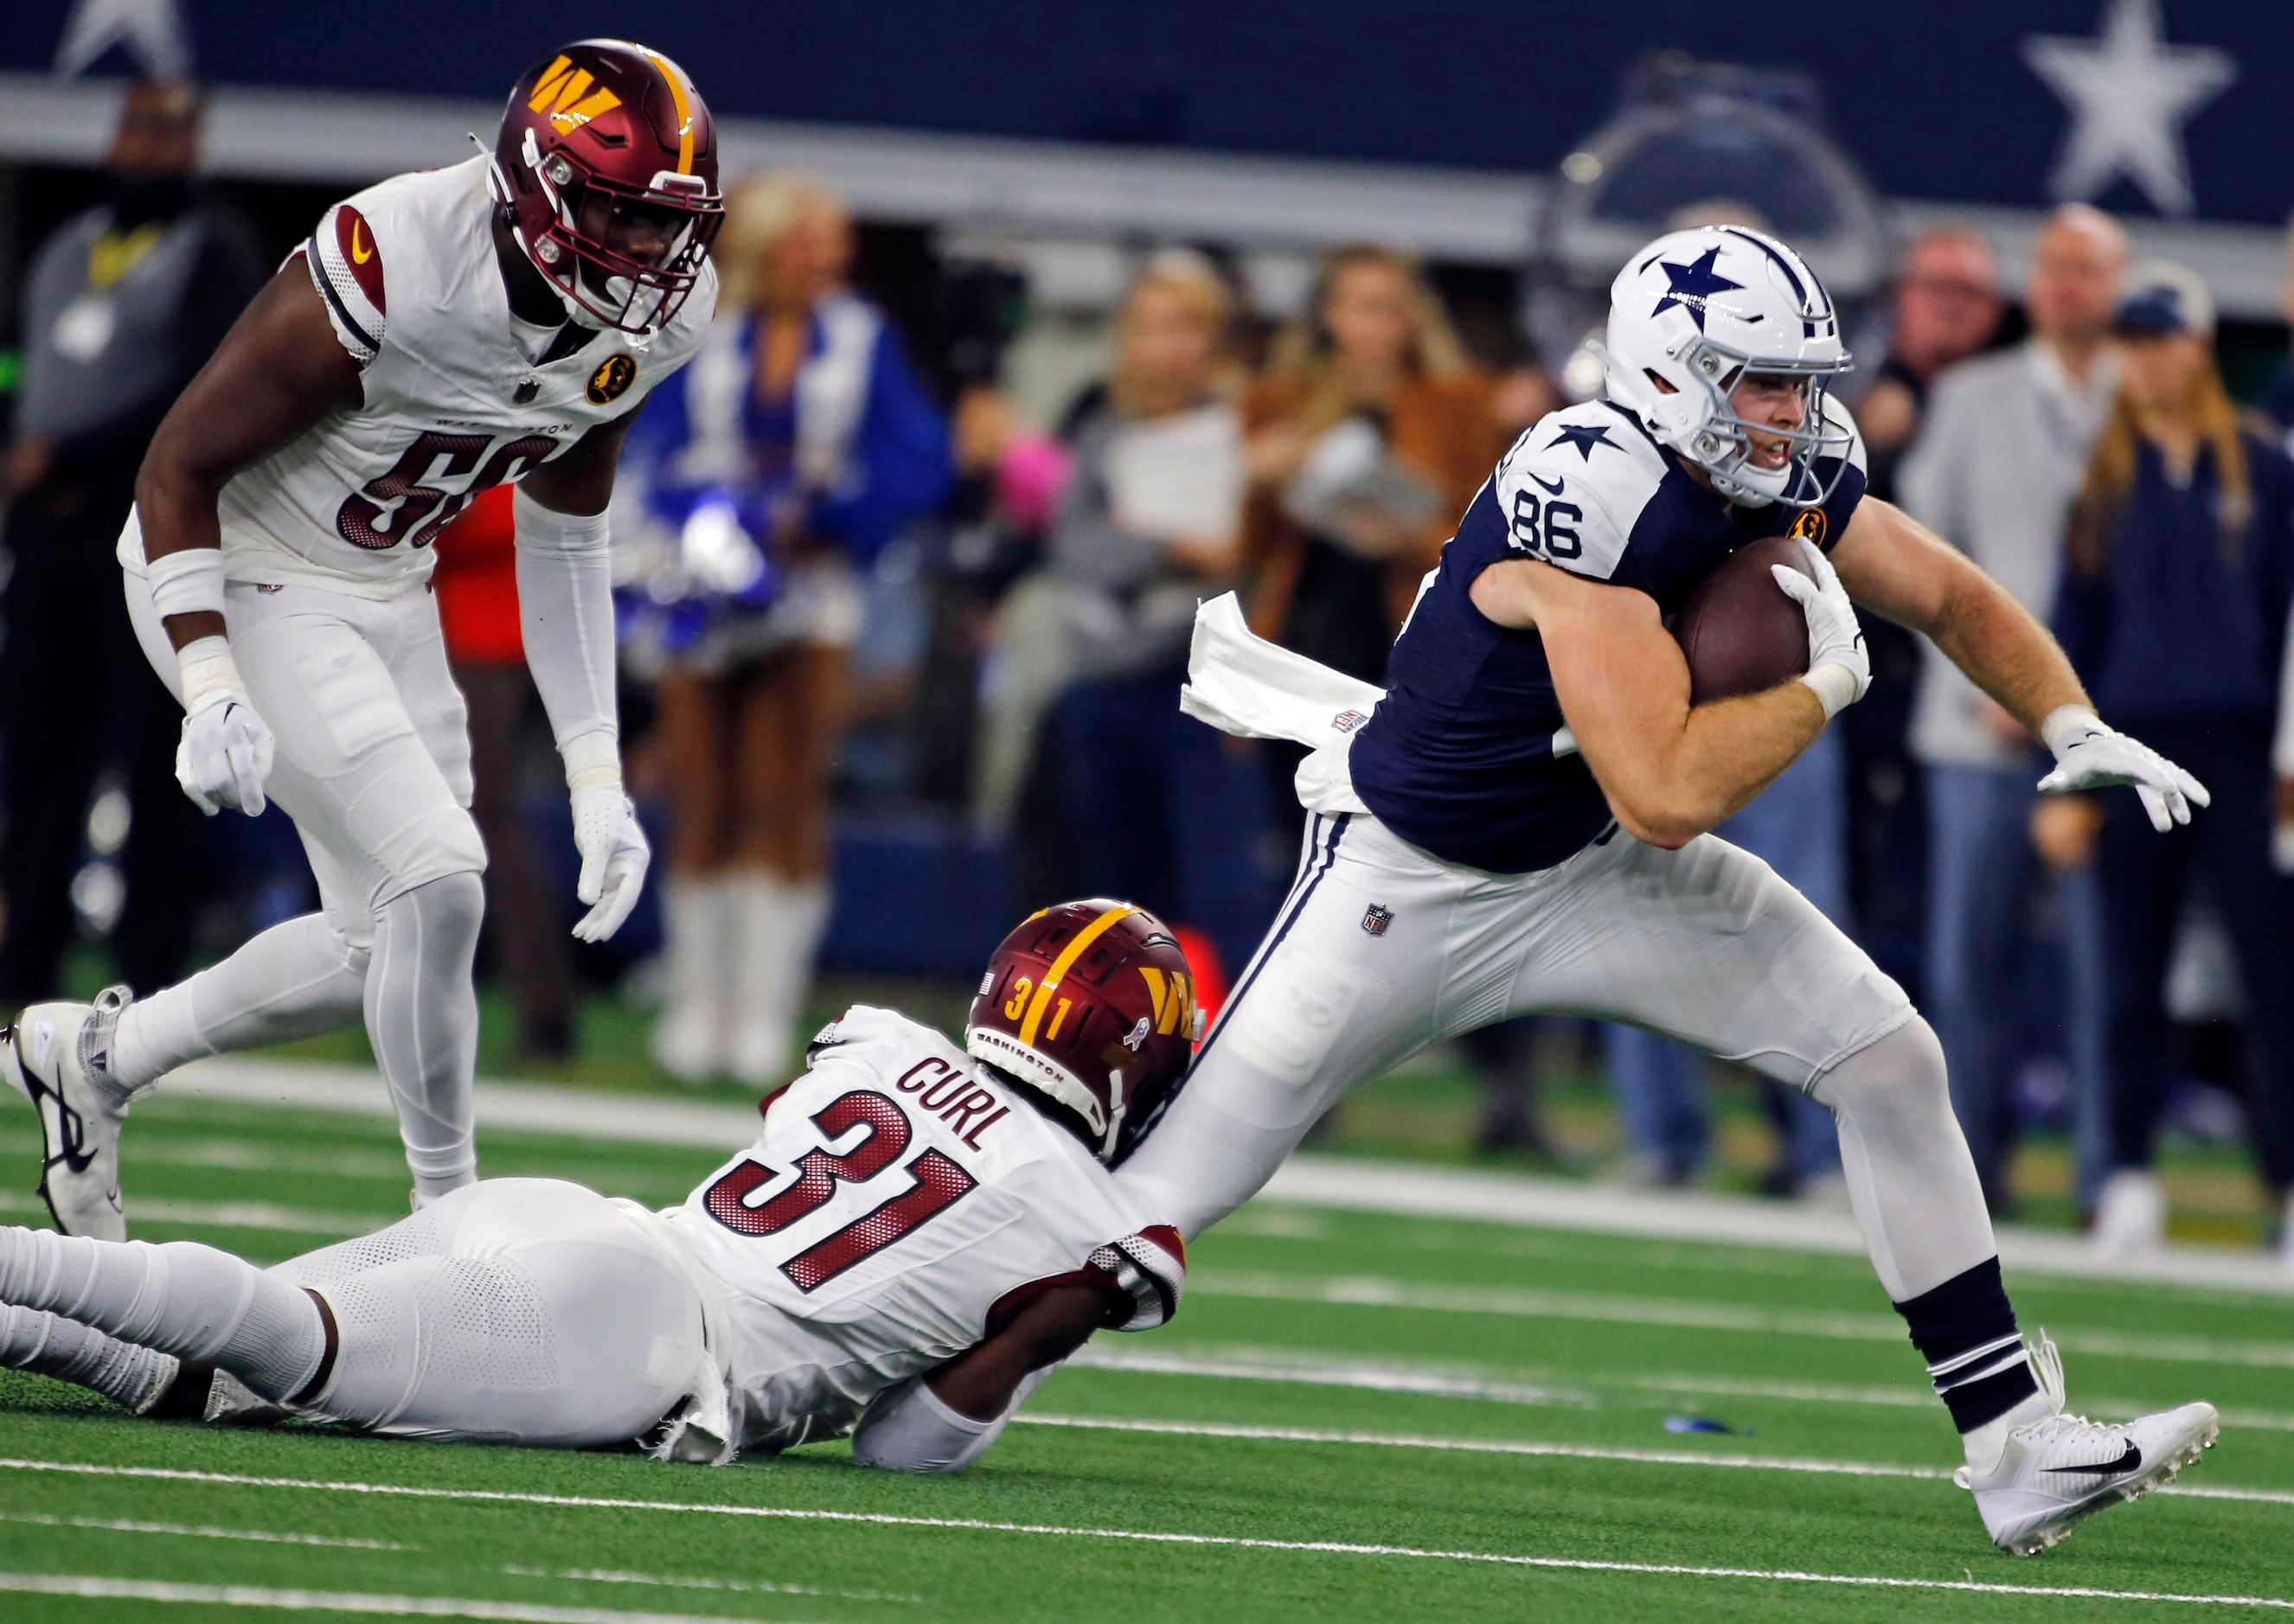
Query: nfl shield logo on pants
x=1377, y=920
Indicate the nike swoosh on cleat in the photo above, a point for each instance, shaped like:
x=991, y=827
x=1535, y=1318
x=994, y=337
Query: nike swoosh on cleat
x=2127, y=1462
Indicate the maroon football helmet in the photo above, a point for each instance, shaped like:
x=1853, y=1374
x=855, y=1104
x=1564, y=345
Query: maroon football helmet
x=601, y=142
x=1092, y=1006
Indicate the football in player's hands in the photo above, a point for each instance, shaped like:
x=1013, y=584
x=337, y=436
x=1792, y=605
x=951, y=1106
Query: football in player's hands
x=1740, y=633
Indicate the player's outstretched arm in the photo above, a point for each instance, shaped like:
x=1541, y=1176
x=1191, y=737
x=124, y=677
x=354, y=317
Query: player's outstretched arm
x=945, y=1421
x=1891, y=563
x=278, y=371
x=1670, y=771
x=565, y=604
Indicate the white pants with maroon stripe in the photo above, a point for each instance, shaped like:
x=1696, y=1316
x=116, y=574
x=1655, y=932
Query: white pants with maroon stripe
x=1381, y=949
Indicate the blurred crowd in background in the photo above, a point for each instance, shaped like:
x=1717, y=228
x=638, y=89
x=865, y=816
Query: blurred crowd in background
x=906, y=575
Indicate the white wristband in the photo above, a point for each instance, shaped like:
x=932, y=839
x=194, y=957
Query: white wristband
x=1833, y=685
x=207, y=669
x=593, y=761
x=186, y=582
x=2067, y=722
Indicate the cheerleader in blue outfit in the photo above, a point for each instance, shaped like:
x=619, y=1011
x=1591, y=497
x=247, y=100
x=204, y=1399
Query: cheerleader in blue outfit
x=758, y=483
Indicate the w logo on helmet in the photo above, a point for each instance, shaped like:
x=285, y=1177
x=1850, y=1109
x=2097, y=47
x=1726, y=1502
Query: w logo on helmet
x=563, y=93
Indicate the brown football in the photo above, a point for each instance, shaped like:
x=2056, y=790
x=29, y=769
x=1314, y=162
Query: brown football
x=1740, y=632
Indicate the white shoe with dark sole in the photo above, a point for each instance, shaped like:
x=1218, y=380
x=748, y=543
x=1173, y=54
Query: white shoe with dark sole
x=47, y=1055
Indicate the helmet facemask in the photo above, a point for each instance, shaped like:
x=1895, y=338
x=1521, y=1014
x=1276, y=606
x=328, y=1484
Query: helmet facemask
x=576, y=252
x=1722, y=443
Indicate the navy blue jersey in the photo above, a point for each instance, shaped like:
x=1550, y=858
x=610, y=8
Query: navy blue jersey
x=1460, y=757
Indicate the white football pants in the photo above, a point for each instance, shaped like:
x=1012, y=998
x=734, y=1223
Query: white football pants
x=515, y=1310
x=1381, y=949
x=373, y=765
x=519, y=1311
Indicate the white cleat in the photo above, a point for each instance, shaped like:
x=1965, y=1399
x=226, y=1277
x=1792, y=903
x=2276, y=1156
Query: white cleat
x=48, y=1054
x=2058, y=1470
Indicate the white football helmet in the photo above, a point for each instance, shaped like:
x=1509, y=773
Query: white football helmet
x=1700, y=308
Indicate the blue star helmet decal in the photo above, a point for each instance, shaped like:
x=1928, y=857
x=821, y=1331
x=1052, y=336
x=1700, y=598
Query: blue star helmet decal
x=1692, y=285
x=1584, y=437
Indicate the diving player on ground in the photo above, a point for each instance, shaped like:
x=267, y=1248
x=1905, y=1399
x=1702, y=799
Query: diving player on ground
x=1520, y=823
x=918, y=1229
x=443, y=332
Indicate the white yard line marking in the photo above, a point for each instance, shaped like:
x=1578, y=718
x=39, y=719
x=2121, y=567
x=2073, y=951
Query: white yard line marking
x=251, y=1155
x=411, y=1606
x=95, y=1589
x=1375, y=1291
x=1573, y=1451
x=2273, y=1497
x=259, y=1535
x=1482, y=1446
x=228, y=1215
x=1310, y=1366
x=609, y=1576
x=1254, y=1364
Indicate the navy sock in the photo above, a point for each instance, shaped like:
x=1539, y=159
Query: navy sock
x=1965, y=1329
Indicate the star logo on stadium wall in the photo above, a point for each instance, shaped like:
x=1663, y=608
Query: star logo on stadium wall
x=1691, y=285
x=150, y=31
x=2129, y=93
x=1584, y=436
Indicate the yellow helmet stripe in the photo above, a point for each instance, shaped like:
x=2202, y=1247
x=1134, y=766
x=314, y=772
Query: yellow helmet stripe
x=671, y=77
x=1069, y=955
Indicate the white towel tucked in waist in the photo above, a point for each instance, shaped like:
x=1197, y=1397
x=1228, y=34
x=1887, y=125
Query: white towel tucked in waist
x=1241, y=684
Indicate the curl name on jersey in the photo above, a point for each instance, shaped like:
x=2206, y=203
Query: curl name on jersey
x=1468, y=757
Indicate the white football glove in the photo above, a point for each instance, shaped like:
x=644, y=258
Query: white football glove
x=614, y=857
x=2091, y=755
x=1834, y=639
x=225, y=754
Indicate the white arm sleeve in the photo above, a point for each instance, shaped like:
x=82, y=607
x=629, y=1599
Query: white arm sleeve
x=566, y=610
x=906, y=1428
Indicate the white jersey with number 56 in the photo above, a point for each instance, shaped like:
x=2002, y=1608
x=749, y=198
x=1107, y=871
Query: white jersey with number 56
x=453, y=404
x=901, y=1205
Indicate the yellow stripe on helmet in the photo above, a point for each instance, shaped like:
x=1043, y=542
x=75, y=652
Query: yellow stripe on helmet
x=675, y=79
x=1069, y=955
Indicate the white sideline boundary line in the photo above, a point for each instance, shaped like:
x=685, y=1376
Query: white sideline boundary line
x=1341, y=1183
x=93, y=1588
x=1047, y=1529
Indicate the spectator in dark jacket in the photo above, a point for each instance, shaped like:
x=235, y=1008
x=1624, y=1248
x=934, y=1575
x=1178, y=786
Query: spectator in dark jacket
x=123, y=303
x=1163, y=809
x=2173, y=609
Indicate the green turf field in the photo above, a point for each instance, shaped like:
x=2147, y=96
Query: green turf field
x=1353, y=1416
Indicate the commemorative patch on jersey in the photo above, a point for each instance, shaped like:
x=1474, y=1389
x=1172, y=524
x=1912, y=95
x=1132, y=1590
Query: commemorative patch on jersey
x=1810, y=526
x=612, y=379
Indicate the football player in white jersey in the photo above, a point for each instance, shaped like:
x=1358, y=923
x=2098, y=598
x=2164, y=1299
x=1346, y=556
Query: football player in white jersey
x=1518, y=822
x=440, y=333
x=918, y=1229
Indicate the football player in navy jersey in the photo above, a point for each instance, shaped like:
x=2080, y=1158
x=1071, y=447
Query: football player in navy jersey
x=1521, y=825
